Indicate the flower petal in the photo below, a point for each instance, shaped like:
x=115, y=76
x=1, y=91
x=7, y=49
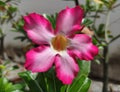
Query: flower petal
x=39, y=59
x=69, y=20
x=82, y=47
x=38, y=29
x=66, y=68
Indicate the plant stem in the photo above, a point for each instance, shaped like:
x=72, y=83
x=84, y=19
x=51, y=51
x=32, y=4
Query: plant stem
x=2, y=47
x=105, y=70
x=76, y=2
x=106, y=56
x=106, y=26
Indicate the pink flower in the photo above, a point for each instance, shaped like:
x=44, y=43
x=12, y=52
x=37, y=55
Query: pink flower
x=57, y=46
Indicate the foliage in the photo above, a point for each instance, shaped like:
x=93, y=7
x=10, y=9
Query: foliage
x=47, y=82
x=6, y=86
x=8, y=11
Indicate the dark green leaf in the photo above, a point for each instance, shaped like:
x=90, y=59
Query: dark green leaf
x=101, y=27
x=54, y=85
x=110, y=36
x=12, y=9
x=15, y=67
x=30, y=81
x=2, y=3
x=22, y=38
x=48, y=81
x=41, y=78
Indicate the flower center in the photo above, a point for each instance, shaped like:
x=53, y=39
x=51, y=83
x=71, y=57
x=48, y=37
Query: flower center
x=59, y=42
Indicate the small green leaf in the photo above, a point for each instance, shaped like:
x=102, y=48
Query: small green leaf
x=52, y=19
x=12, y=9
x=110, y=36
x=101, y=27
x=22, y=38
x=87, y=22
x=97, y=61
x=15, y=67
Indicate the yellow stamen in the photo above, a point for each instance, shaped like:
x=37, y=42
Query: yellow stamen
x=59, y=42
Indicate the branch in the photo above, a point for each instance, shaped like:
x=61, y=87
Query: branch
x=116, y=6
x=76, y=2
x=115, y=38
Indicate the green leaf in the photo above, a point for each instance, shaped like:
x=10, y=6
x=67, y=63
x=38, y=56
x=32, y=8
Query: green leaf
x=18, y=27
x=48, y=81
x=110, y=36
x=2, y=3
x=41, y=78
x=15, y=67
x=94, y=40
x=6, y=86
x=63, y=88
x=12, y=9
x=81, y=85
x=84, y=67
x=87, y=22
x=22, y=38
x=54, y=85
x=30, y=81
x=52, y=19
x=101, y=27
x=97, y=61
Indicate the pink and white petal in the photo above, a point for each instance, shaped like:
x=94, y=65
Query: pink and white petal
x=38, y=29
x=69, y=20
x=82, y=47
x=66, y=68
x=39, y=59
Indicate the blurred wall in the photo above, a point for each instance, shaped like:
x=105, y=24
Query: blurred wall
x=53, y=6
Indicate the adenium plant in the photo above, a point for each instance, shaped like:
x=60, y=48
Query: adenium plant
x=59, y=47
